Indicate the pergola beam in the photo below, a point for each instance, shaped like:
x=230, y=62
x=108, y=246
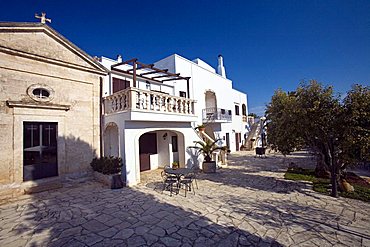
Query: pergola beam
x=125, y=62
x=160, y=76
x=155, y=71
x=127, y=73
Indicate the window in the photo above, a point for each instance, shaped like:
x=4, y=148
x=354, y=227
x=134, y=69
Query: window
x=41, y=93
x=229, y=112
x=223, y=111
x=120, y=84
x=237, y=110
x=182, y=94
x=174, y=144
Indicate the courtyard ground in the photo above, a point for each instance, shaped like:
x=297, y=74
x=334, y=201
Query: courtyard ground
x=247, y=203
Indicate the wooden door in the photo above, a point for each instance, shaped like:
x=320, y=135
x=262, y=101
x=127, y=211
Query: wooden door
x=147, y=146
x=228, y=140
x=237, y=140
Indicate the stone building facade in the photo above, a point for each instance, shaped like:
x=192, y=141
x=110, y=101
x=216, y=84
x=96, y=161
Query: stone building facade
x=49, y=107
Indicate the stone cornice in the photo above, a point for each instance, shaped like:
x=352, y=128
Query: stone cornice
x=19, y=53
x=48, y=106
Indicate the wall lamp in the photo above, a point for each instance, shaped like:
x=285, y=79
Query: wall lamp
x=165, y=136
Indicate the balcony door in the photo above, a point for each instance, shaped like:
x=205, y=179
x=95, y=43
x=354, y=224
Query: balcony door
x=39, y=150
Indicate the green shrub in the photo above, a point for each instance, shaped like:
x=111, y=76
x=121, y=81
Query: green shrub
x=107, y=165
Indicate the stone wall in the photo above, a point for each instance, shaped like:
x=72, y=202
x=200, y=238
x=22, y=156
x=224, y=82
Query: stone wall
x=39, y=57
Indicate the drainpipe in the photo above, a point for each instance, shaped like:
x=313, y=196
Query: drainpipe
x=101, y=115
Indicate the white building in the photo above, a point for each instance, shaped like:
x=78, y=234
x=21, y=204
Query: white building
x=222, y=108
x=150, y=111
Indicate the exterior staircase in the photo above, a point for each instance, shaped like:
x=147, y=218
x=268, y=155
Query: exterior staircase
x=253, y=136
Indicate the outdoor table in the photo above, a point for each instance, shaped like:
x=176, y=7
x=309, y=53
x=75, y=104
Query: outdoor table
x=178, y=172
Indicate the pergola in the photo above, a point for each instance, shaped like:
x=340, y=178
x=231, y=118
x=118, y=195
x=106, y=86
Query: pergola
x=148, y=72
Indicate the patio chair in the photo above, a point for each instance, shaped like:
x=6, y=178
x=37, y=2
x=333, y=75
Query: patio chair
x=193, y=176
x=187, y=183
x=169, y=182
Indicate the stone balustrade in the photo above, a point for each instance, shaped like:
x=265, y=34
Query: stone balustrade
x=150, y=101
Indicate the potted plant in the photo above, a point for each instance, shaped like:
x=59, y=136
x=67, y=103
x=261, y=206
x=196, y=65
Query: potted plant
x=201, y=127
x=207, y=148
x=175, y=165
x=107, y=170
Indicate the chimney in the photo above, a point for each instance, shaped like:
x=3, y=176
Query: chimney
x=119, y=58
x=220, y=67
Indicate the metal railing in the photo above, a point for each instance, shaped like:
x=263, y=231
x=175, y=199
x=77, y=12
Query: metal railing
x=212, y=114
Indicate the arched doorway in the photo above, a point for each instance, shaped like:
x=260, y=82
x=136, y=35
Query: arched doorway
x=111, y=144
x=161, y=148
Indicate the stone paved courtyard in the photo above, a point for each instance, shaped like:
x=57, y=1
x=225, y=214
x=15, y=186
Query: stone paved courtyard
x=246, y=204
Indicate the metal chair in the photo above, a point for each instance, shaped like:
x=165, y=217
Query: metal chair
x=193, y=176
x=169, y=182
x=187, y=182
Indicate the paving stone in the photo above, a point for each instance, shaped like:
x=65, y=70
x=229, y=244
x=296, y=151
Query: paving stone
x=170, y=242
x=141, y=230
x=103, y=218
x=110, y=232
x=110, y=242
x=136, y=241
x=94, y=226
x=124, y=234
x=172, y=230
x=150, y=238
x=71, y=232
x=187, y=233
x=158, y=232
x=89, y=239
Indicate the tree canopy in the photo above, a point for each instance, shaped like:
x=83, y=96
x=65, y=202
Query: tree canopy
x=337, y=131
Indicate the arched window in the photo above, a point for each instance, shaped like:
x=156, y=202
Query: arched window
x=244, y=110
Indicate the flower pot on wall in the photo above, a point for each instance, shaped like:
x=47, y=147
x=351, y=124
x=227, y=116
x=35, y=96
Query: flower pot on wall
x=209, y=167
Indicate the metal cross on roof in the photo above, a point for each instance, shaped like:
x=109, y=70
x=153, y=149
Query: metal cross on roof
x=43, y=18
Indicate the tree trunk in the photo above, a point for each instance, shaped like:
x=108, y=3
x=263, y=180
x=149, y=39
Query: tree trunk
x=332, y=164
x=321, y=169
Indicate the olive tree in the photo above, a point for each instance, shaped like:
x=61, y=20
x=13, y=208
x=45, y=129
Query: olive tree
x=313, y=116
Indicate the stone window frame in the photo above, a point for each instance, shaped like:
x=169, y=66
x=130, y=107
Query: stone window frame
x=45, y=87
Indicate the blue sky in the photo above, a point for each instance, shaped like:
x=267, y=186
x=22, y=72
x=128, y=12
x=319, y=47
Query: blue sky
x=265, y=44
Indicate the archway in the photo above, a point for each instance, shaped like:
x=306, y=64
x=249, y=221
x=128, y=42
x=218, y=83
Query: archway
x=111, y=144
x=160, y=148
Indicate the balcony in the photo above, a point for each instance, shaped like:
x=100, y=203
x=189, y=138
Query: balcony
x=138, y=103
x=216, y=115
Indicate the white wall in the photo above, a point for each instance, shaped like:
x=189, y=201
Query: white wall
x=203, y=79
